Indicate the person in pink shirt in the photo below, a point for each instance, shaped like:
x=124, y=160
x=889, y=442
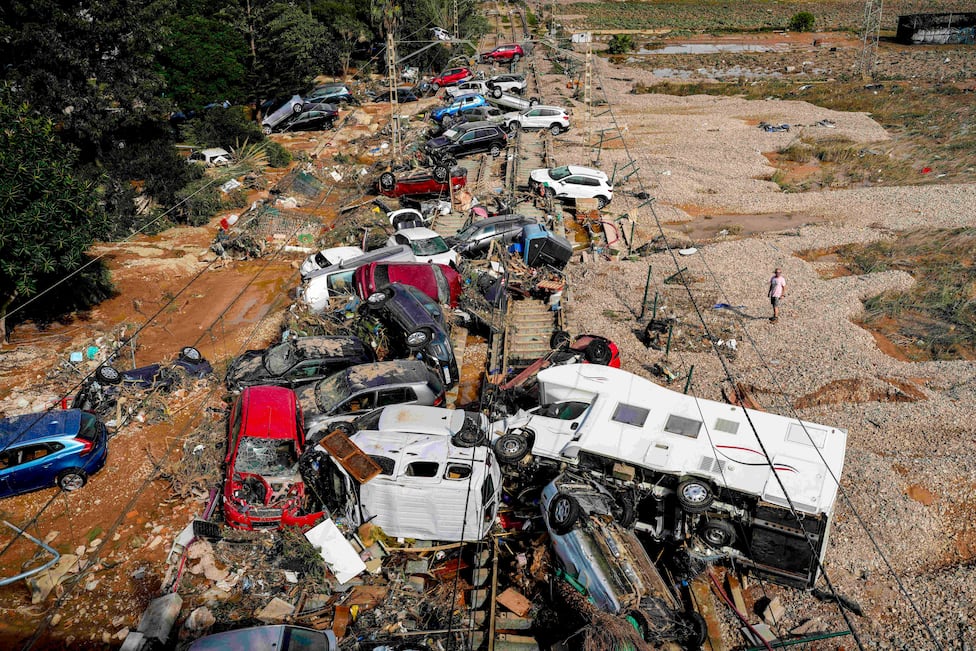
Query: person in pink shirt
x=777, y=291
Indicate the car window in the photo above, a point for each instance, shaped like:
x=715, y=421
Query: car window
x=360, y=402
x=400, y=239
x=300, y=639
x=443, y=287
x=457, y=471
x=430, y=246
x=396, y=396
x=564, y=410
x=559, y=173
x=265, y=456
x=24, y=454
x=422, y=469
x=533, y=113
x=468, y=137
x=306, y=369
x=341, y=282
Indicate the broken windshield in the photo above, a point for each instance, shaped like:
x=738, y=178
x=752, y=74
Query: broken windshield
x=331, y=391
x=279, y=359
x=430, y=246
x=266, y=457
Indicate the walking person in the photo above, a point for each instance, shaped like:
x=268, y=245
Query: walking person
x=777, y=292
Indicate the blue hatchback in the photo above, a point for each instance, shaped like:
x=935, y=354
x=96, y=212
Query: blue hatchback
x=55, y=448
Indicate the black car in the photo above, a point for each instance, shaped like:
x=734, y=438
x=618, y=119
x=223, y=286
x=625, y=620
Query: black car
x=316, y=117
x=467, y=138
x=403, y=95
x=297, y=361
x=475, y=238
x=415, y=325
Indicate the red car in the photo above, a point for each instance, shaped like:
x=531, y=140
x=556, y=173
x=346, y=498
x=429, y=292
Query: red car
x=503, y=54
x=422, y=182
x=265, y=437
x=439, y=281
x=451, y=76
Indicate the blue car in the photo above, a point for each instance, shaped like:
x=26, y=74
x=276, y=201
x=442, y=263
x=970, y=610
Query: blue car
x=460, y=103
x=55, y=448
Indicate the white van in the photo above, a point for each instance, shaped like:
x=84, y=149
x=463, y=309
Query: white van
x=429, y=487
x=695, y=466
x=320, y=285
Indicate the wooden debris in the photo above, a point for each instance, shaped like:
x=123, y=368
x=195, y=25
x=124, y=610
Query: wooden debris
x=515, y=601
x=705, y=604
x=356, y=462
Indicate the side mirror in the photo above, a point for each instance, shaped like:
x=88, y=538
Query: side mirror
x=574, y=426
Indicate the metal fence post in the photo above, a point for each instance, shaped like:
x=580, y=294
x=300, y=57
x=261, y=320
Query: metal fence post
x=647, y=287
x=688, y=381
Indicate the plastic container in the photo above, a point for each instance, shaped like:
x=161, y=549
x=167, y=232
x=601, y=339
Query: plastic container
x=228, y=221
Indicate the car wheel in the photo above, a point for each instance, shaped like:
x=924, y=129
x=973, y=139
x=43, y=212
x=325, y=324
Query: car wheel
x=419, y=338
x=72, y=480
x=435, y=85
x=496, y=92
x=512, y=447
x=495, y=150
x=640, y=622
x=564, y=511
x=376, y=299
x=297, y=108
x=533, y=101
x=598, y=352
x=190, y=354
x=447, y=121
x=108, y=375
x=266, y=130
x=717, y=533
x=601, y=202
x=625, y=513
x=440, y=173
x=695, y=495
x=514, y=127
x=387, y=181
x=696, y=630
x=469, y=436
x=555, y=129
x=559, y=339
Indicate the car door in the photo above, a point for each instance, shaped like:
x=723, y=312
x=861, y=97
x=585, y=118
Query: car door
x=30, y=467
x=573, y=187
x=305, y=372
x=359, y=402
x=482, y=237
x=533, y=119
x=556, y=425
x=469, y=102
x=466, y=143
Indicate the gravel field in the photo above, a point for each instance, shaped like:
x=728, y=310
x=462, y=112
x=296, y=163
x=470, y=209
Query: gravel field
x=910, y=472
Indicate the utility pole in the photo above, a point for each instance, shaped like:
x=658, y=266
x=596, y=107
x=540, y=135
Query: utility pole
x=588, y=92
x=457, y=30
x=391, y=70
x=872, y=29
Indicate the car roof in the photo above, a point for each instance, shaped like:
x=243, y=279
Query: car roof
x=215, y=151
x=358, y=261
x=39, y=425
x=585, y=171
x=420, y=419
x=546, y=106
x=330, y=346
x=268, y=406
x=467, y=126
x=467, y=96
x=383, y=374
x=418, y=233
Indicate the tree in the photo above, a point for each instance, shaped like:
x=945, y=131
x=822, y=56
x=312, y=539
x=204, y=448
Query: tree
x=621, y=44
x=50, y=217
x=351, y=32
x=802, y=22
x=203, y=60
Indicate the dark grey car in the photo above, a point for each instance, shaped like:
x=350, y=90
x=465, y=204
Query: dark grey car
x=467, y=138
x=475, y=238
x=298, y=361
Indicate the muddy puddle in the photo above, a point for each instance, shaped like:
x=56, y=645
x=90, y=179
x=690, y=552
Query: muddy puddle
x=707, y=227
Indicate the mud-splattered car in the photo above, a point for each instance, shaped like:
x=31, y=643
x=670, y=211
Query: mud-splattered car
x=297, y=361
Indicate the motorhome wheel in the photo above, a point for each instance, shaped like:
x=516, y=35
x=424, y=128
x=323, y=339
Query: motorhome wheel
x=511, y=447
x=564, y=511
x=695, y=495
x=717, y=533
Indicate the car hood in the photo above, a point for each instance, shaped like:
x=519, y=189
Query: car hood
x=512, y=115
x=540, y=176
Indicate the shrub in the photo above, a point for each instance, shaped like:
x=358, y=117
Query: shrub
x=201, y=201
x=278, y=156
x=802, y=22
x=219, y=127
x=621, y=44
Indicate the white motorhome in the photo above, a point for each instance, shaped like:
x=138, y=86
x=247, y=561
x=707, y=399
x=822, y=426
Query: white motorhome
x=726, y=477
x=429, y=487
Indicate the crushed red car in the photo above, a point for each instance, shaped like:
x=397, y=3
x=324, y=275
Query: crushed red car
x=263, y=488
x=586, y=349
x=503, y=54
x=440, y=282
x=422, y=182
x=450, y=77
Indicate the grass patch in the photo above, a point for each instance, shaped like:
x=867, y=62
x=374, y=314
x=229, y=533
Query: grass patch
x=936, y=319
x=928, y=124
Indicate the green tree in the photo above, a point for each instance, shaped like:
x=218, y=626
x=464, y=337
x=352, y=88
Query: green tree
x=50, y=217
x=203, y=60
x=621, y=44
x=351, y=32
x=802, y=22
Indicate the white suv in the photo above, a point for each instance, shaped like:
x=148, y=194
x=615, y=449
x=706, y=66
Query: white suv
x=538, y=117
x=572, y=182
x=508, y=83
x=427, y=246
x=478, y=86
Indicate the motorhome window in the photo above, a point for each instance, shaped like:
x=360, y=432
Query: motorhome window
x=457, y=471
x=564, y=410
x=728, y=426
x=422, y=469
x=488, y=497
x=630, y=414
x=683, y=426
x=798, y=433
x=386, y=464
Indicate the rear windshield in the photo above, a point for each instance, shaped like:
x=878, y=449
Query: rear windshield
x=89, y=427
x=331, y=391
x=430, y=246
x=279, y=359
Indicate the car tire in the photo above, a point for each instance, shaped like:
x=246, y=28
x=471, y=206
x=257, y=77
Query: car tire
x=469, y=436
x=555, y=129
x=447, y=121
x=297, y=108
x=696, y=630
x=72, y=479
x=626, y=512
x=387, y=181
x=717, y=533
x=695, y=495
x=533, y=101
x=495, y=150
x=378, y=298
x=559, y=340
x=190, y=354
x=496, y=92
x=441, y=173
x=564, y=511
x=108, y=375
x=435, y=85
x=511, y=447
x=640, y=622
x=419, y=338
x=598, y=352
x=601, y=202
x=266, y=130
